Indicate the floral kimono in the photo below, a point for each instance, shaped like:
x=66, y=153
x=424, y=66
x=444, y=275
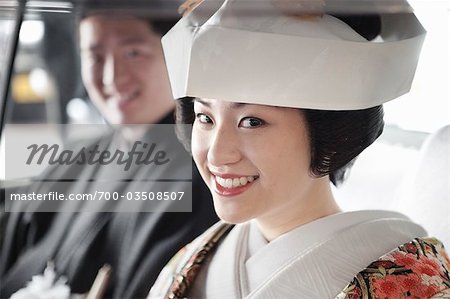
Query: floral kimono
x=315, y=260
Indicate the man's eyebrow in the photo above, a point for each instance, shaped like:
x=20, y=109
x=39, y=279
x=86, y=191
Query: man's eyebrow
x=133, y=40
x=93, y=47
x=125, y=41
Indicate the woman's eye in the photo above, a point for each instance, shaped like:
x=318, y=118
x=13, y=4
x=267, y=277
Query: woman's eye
x=251, y=122
x=203, y=118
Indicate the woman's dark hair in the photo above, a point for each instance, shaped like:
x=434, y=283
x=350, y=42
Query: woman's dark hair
x=368, y=26
x=336, y=137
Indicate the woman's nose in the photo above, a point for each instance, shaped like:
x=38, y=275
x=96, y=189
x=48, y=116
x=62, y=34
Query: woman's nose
x=224, y=147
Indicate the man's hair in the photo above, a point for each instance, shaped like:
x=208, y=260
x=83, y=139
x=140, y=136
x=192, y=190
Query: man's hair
x=161, y=15
x=158, y=25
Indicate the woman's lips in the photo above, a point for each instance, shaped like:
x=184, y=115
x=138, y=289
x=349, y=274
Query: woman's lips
x=232, y=185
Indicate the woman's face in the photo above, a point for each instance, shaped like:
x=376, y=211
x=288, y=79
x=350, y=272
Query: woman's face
x=254, y=158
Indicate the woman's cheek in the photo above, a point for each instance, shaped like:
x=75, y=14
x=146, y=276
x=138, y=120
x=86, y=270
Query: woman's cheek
x=198, y=146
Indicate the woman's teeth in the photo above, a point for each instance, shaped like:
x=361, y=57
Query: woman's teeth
x=235, y=182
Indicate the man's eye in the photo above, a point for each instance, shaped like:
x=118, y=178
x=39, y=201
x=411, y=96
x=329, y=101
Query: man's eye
x=132, y=53
x=251, y=122
x=203, y=118
x=96, y=58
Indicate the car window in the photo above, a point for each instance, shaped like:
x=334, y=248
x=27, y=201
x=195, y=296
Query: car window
x=9, y=16
x=384, y=167
x=45, y=73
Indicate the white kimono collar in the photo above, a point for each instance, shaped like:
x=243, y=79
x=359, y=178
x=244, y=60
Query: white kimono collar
x=316, y=260
x=306, y=258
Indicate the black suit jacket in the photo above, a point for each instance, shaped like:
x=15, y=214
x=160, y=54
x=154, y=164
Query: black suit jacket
x=136, y=245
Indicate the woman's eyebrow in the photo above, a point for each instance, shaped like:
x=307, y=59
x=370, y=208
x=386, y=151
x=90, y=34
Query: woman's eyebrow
x=232, y=104
x=238, y=105
x=202, y=102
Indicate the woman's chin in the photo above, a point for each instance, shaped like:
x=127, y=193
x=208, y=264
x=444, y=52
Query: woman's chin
x=231, y=215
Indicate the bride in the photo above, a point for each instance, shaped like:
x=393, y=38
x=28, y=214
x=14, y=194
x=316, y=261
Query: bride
x=281, y=105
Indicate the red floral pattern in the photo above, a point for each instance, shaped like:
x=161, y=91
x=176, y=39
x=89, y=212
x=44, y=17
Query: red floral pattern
x=418, y=269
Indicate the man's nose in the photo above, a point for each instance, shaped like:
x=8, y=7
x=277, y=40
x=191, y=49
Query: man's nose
x=116, y=75
x=224, y=147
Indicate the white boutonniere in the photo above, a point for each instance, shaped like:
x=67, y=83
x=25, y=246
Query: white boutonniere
x=45, y=286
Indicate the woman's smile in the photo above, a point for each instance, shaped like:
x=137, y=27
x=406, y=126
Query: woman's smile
x=232, y=184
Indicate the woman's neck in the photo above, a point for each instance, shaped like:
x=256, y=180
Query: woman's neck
x=317, y=202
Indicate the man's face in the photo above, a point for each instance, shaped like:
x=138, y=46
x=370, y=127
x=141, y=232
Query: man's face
x=123, y=69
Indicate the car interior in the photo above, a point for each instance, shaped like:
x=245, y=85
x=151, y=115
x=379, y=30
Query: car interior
x=407, y=169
